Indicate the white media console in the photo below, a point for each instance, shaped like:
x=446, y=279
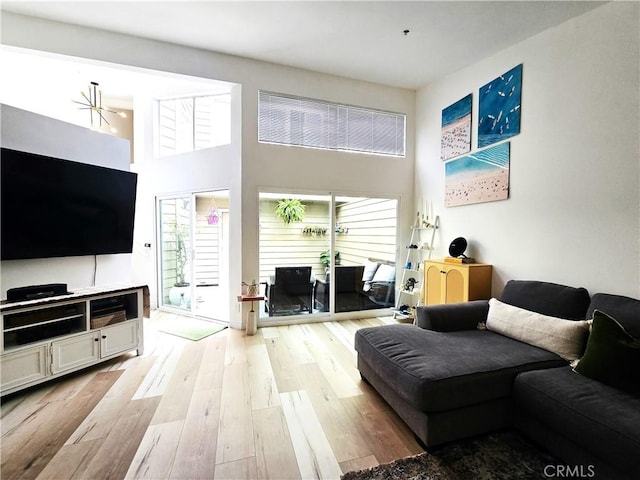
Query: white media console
x=49, y=337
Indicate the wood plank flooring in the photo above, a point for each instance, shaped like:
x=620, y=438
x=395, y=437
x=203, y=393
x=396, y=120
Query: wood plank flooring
x=287, y=403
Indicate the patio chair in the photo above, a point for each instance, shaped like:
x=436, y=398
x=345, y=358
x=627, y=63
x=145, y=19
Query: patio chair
x=349, y=294
x=289, y=291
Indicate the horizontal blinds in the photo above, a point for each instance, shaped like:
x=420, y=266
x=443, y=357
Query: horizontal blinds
x=313, y=123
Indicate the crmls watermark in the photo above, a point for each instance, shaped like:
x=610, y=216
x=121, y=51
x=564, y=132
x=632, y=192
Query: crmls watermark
x=570, y=471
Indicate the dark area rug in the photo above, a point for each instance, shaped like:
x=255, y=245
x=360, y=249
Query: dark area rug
x=498, y=456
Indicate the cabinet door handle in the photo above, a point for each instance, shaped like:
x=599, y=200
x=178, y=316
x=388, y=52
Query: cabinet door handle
x=104, y=336
x=96, y=339
x=442, y=271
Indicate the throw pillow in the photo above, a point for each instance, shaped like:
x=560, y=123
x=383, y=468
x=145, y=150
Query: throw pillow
x=370, y=269
x=566, y=338
x=612, y=355
x=385, y=273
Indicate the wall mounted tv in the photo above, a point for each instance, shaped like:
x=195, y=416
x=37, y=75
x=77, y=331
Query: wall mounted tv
x=59, y=208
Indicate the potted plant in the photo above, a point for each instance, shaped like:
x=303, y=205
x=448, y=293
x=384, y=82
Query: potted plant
x=325, y=258
x=180, y=293
x=290, y=210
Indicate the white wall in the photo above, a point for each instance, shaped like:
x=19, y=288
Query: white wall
x=203, y=170
x=30, y=132
x=573, y=215
x=261, y=165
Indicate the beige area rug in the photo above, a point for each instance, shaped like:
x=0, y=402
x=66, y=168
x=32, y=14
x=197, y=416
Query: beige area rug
x=498, y=456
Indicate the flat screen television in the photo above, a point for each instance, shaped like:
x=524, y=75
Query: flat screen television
x=60, y=208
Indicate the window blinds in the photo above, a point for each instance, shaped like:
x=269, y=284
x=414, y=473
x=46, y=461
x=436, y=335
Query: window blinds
x=312, y=123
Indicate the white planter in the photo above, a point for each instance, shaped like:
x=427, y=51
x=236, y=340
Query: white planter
x=180, y=296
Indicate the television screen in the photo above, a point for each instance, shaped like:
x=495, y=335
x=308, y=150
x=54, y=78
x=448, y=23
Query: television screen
x=59, y=208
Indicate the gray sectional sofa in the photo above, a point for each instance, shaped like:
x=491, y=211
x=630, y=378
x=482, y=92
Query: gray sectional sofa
x=471, y=368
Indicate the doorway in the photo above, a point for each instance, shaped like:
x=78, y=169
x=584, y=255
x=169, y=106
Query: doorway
x=193, y=258
x=352, y=239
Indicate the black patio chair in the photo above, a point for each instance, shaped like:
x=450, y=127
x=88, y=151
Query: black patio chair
x=289, y=291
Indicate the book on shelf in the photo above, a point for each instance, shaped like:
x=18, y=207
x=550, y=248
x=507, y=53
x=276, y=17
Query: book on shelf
x=459, y=260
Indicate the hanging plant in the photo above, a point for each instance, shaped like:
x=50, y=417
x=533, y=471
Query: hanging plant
x=290, y=210
x=213, y=216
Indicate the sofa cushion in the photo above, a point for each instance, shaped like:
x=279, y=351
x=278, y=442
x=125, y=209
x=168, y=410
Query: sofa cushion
x=625, y=310
x=599, y=418
x=370, y=268
x=440, y=371
x=547, y=298
x=612, y=355
x=385, y=273
x=566, y=338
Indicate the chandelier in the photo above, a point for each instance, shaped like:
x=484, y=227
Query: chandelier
x=93, y=103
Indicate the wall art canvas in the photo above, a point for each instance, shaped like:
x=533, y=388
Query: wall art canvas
x=499, y=108
x=456, y=129
x=479, y=177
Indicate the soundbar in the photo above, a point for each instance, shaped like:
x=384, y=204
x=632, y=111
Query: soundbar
x=34, y=292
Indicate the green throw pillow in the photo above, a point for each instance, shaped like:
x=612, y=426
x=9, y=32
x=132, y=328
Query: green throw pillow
x=612, y=355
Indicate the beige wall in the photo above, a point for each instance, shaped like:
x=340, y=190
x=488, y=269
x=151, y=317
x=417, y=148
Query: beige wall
x=573, y=214
x=245, y=167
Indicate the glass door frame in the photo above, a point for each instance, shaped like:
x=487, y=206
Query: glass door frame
x=192, y=253
x=331, y=198
x=162, y=305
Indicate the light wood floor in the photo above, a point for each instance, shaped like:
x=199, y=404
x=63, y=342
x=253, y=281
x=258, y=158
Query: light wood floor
x=287, y=403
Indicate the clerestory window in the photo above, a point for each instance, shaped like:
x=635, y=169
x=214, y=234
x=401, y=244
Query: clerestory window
x=305, y=122
x=193, y=123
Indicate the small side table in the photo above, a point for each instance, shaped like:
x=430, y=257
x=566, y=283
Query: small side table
x=252, y=324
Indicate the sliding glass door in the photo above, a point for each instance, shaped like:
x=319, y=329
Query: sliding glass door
x=176, y=252
x=294, y=251
x=193, y=254
x=365, y=240
x=349, y=239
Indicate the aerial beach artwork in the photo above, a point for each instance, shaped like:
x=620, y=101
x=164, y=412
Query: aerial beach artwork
x=456, y=129
x=479, y=177
x=499, y=108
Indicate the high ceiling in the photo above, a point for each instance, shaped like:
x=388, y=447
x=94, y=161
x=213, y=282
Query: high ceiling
x=358, y=39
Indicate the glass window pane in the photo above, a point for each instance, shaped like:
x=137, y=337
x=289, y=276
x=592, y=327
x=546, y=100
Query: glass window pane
x=291, y=255
x=184, y=125
x=365, y=244
x=366, y=239
x=175, y=251
x=187, y=124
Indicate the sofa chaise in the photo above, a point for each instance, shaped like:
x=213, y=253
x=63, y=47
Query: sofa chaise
x=471, y=368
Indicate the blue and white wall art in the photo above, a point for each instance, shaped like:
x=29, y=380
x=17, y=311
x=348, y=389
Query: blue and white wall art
x=456, y=129
x=499, y=108
x=481, y=176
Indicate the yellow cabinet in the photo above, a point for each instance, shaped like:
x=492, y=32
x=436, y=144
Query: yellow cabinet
x=450, y=282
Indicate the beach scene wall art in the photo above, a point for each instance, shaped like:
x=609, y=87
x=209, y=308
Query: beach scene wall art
x=499, y=108
x=456, y=129
x=479, y=177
